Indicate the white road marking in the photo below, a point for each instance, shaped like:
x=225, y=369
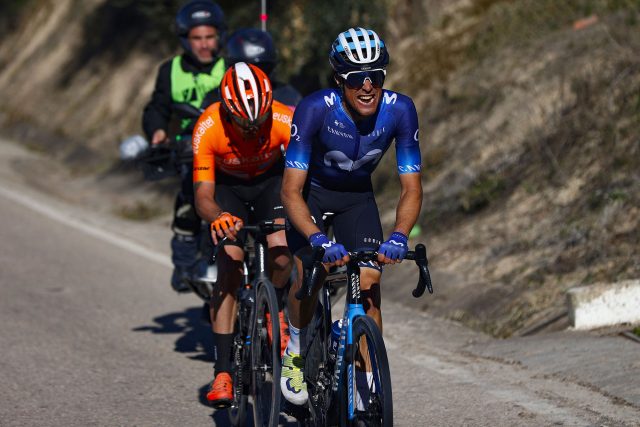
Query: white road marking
x=78, y=224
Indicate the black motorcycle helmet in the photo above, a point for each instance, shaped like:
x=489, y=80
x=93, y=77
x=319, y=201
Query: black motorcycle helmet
x=252, y=46
x=196, y=13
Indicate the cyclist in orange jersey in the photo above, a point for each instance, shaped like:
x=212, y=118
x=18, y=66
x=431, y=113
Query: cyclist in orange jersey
x=238, y=147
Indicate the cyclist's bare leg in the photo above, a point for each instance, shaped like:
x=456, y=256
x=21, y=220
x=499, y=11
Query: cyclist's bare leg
x=370, y=293
x=223, y=300
x=279, y=257
x=301, y=312
x=292, y=382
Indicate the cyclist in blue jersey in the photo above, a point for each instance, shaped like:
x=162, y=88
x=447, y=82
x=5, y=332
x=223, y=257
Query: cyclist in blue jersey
x=338, y=137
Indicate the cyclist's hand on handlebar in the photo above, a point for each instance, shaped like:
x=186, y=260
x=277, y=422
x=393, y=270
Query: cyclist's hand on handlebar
x=334, y=253
x=159, y=137
x=226, y=225
x=394, y=249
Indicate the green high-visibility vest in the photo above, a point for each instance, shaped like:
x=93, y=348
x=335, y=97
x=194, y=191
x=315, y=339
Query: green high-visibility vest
x=191, y=88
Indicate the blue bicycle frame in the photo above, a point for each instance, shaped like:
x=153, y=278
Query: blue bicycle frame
x=353, y=308
x=352, y=311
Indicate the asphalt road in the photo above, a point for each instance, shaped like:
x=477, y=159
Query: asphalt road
x=92, y=335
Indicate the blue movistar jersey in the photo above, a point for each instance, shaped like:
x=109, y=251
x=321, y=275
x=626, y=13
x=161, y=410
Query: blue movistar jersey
x=340, y=154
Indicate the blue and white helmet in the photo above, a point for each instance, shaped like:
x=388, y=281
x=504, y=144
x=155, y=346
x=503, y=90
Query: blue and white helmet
x=358, y=49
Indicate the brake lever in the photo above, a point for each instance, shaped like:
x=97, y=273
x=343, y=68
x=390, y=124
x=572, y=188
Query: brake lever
x=423, y=267
x=312, y=267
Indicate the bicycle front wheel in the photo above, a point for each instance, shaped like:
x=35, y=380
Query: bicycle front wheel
x=265, y=358
x=369, y=378
x=238, y=409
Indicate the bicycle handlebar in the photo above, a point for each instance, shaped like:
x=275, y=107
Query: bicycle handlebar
x=313, y=264
x=264, y=227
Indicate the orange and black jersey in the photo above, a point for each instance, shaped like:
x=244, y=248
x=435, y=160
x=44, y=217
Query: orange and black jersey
x=217, y=145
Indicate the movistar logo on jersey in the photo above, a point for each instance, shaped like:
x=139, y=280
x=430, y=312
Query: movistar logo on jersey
x=339, y=133
x=345, y=163
x=330, y=100
x=390, y=99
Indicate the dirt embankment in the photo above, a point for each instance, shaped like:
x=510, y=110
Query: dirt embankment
x=533, y=160
x=530, y=130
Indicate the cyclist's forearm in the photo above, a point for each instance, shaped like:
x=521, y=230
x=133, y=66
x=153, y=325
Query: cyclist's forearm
x=298, y=212
x=408, y=209
x=205, y=203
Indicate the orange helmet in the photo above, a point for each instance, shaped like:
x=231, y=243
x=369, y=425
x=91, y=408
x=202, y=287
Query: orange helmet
x=247, y=94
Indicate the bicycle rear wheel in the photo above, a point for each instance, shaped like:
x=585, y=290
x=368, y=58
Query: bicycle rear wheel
x=369, y=376
x=265, y=358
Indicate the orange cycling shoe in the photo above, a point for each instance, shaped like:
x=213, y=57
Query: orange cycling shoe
x=284, y=331
x=220, y=393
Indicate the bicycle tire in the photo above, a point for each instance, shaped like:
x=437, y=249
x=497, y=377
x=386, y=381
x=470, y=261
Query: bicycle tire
x=372, y=395
x=318, y=372
x=238, y=411
x=265, y=359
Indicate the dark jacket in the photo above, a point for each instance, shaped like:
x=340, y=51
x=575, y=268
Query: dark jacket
x=158, y=112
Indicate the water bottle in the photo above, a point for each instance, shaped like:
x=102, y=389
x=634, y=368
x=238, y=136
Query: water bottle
x=335, y=335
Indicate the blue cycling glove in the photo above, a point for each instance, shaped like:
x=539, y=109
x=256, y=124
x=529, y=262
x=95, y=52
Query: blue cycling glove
x=332, y=251
x=395, y=247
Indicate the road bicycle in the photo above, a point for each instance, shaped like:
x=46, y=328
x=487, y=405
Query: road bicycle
x=348, y=379
x=256, y=350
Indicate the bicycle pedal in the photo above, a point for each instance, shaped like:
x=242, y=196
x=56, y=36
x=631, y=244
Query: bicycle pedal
x=221, y=405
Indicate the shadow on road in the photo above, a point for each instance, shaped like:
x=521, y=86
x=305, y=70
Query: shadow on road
x=195, y=335
x=196, y=339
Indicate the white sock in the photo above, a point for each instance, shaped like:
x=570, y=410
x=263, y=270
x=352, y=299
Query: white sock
x=370, y=385
x=294, y=340
x=370, y=382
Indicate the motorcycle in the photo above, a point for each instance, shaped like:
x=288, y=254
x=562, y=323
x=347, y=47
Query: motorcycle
x=165, y=160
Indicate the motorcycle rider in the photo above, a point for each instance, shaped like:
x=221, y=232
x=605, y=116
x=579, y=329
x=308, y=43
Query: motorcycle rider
x=186, y=78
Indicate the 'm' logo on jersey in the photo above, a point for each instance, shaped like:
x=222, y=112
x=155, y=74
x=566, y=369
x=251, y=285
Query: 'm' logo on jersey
x=346, y=164
x=390, y=99
x=330, y=100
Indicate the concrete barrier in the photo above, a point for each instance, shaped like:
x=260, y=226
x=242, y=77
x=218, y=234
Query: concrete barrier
x=604, y=304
